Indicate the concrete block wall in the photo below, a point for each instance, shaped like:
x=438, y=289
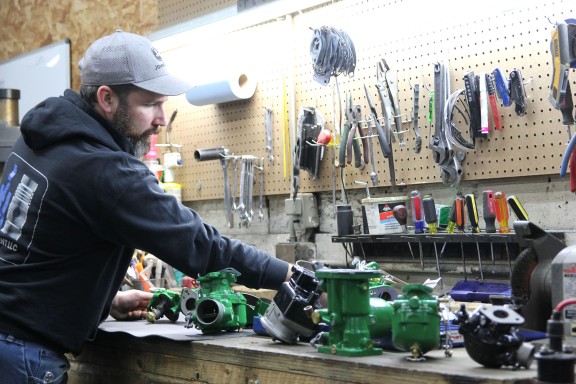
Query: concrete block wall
x=548, y=201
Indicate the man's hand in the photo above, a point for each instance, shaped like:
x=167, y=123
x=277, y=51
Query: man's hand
x=130, y=305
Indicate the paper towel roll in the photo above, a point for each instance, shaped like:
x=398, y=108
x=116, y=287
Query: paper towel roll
x=236, y=87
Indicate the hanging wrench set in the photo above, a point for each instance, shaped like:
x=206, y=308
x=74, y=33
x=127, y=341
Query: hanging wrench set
x=251, y=168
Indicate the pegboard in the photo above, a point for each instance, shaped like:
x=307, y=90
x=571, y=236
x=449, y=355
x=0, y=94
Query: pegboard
x=172, y=12
x=411, y=42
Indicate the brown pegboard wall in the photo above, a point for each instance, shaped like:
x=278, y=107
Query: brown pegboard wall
x=172, y=12
x=519, y=38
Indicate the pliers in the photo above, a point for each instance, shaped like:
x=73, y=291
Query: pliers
x=348, y=144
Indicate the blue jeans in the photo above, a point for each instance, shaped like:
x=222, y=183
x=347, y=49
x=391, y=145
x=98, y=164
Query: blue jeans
x=23, y=362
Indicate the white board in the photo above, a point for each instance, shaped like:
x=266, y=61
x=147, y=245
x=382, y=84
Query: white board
x=38, y=74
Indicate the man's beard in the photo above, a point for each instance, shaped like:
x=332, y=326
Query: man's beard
x=140, y=142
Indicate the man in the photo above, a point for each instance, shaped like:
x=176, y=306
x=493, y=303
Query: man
x=75, y=201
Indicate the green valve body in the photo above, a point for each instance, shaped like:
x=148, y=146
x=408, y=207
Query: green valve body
x=163, y=303
x=354, y=317
x=215, y=307
x=416, y=322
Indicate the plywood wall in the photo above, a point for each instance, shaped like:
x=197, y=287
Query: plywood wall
x=31, y=24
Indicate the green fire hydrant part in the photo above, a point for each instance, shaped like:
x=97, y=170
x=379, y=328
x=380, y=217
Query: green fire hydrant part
x=416, y=321
x=353, y=316
x=218, y=307
x=164, y=302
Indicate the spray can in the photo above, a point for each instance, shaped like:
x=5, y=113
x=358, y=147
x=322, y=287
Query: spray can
x=172, y=160
x=563, y=270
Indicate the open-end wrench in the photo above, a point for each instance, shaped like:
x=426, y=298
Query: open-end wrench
x=241, y=200
x=261, y=173
x=235, y=182
x=437, y=143
x=268, y=125
x=250, y=188
x=227, y=201
x=418, y=142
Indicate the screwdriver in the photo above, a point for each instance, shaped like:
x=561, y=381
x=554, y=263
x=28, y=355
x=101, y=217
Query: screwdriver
x=489, y=211
x=452, y=218
x=501, y=211
x=489, y=217
x=401, y=215
x=473, y=217
x=430, y=214
x=517, y=208
x=417, y=211
x=472, y=212
x=460, y=222
x=418, y=219
x=451, y=224
x=432, y=221
x=460, y=213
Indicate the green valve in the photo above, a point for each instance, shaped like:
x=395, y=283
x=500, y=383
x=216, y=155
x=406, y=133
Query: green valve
x=354, y=317
x=416, y=322
x=215, y=307
x=163, y=303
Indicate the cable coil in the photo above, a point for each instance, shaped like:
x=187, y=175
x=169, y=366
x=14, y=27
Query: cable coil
x=332, y=53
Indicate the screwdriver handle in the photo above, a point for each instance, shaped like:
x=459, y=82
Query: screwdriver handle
x=460, y=214
x=430, y=214
x=501, y=211
x=401, y=215
x=489, y=211
x=472, y=212
x=417, y=211
x=452, y=218
x=517, y=208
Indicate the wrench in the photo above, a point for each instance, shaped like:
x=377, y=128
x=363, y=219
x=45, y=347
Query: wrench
x=250, y=189
x=235, y=165
x=242, y=197
x=261, y=172
x=227, y=200
x=268, y=126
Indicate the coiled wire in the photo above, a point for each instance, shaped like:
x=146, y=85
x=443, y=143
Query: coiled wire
x=332, y=53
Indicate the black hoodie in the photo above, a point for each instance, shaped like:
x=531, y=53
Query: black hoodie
x=74, y=204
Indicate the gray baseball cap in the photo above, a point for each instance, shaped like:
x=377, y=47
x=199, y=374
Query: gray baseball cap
x=127, y=58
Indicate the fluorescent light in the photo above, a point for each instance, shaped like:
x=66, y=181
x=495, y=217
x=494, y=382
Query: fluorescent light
x=226, y=21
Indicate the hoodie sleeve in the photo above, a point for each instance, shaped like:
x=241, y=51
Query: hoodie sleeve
x=135, y=212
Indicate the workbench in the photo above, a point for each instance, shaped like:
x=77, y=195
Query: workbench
x=245, y=357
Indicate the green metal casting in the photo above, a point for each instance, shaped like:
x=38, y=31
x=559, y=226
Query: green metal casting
x=416, y=322
x=163, y=303
x=217, y=307
x=353, y=316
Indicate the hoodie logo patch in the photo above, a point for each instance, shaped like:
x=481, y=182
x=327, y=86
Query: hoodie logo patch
x=21, y=193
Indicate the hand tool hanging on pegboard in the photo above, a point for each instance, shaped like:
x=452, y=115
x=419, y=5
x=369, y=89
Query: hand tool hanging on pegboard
x=416, y=108
x=448, y=159
x=563, y=49
x=269, y=132
x=221, y=154
x=353, y=116
x=518, y=92
x=387, y=114
x=391, y=78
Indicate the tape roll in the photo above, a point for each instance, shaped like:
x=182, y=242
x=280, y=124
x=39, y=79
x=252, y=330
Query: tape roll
x=239, y=86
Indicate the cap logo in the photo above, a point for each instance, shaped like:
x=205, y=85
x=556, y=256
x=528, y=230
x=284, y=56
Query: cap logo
x=156, y=54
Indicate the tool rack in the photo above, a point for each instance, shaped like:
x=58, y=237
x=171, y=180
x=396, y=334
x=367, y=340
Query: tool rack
x=492, y=259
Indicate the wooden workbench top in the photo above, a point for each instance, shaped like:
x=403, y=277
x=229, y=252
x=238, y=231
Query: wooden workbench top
x=252, y=359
